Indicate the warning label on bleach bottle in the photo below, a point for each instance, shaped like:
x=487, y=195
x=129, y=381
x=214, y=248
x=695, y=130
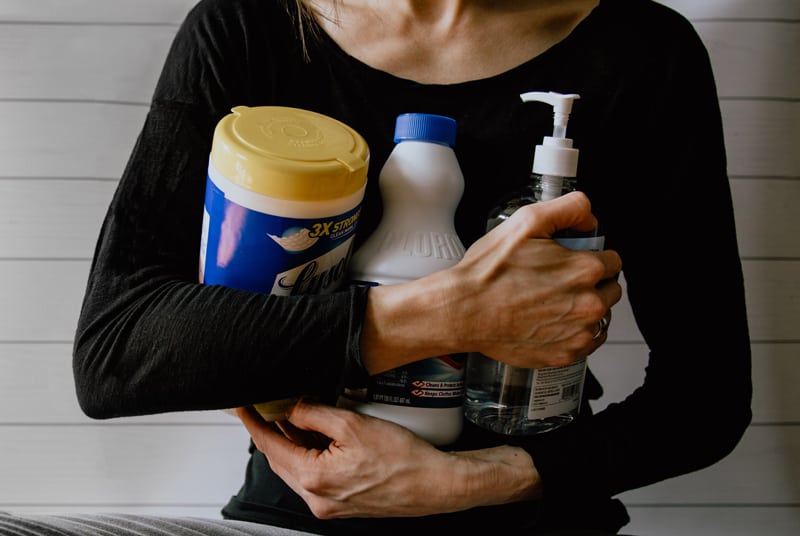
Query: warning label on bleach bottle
x=436, y=382
x=251, y=250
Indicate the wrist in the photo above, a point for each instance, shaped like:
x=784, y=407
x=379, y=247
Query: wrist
x=499, y=475
x=407, y=322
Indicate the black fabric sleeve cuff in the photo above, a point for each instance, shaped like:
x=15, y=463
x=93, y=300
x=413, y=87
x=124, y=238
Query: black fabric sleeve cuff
x=354, y=372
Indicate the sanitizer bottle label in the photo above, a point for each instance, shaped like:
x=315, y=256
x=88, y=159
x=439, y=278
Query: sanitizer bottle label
x=556, y=390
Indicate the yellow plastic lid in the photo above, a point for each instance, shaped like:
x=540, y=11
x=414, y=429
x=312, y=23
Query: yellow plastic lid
x=290, y=153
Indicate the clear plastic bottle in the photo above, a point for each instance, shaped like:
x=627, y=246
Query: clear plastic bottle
x=519, y=401
x=421, y=185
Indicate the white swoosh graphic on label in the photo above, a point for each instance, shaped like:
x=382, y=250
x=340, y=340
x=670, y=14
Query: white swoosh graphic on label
x=296, y=241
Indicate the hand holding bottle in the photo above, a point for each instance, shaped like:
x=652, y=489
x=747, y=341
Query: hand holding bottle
x=517, y=296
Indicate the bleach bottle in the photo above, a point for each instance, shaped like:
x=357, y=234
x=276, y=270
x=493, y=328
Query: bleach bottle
x=283, y=198
x=421, y=185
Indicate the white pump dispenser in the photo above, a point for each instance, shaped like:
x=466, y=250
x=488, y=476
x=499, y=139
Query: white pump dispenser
x=555, y=158
x=513, y=400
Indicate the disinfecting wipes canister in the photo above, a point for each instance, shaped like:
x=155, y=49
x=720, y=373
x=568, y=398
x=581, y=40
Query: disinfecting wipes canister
x=283, y=198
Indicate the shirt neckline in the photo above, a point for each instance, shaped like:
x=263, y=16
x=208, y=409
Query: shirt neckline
x=550, y=54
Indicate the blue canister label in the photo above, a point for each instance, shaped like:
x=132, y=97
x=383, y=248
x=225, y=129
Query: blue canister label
x=251, y=250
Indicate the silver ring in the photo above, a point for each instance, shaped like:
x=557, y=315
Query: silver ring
x=602, y=327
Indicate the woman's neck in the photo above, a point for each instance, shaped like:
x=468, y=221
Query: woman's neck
x=448, y=41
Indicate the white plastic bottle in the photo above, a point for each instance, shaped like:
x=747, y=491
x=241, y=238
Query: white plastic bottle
x=519, y=401
x=421, y=185
x=283, y=198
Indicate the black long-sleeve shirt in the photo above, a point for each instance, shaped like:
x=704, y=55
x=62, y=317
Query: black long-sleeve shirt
x=151, y=339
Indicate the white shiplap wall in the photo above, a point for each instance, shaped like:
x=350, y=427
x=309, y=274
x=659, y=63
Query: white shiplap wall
x=75, y=79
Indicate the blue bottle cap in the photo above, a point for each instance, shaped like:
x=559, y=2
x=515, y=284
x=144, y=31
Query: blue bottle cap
x=425, y=127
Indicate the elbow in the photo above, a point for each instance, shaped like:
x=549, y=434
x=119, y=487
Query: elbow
x=723, y=436
x=93, y=406
x=92, y=402
x=736, y=429
x=733, y=418
x=93, y=384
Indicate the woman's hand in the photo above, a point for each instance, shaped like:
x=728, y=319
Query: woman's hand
x=517, y=296
x=375, y=468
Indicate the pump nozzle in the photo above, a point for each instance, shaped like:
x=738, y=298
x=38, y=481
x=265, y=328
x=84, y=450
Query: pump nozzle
x=556, y=156
x=562, y=107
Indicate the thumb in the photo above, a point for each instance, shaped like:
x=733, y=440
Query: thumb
x=261, y=431
x=321, y=418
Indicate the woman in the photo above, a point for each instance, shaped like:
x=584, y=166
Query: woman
x=150, y=339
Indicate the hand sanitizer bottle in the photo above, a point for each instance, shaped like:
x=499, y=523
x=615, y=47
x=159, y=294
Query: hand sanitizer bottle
x=519, y=401
x=421, y=185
